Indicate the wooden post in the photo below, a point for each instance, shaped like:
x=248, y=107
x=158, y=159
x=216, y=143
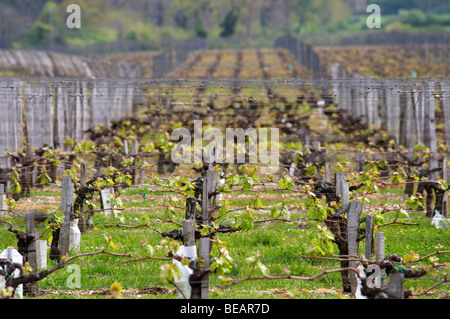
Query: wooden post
x=4, y=160
x=338, y=177
x=125, y=147
x=353, y=221
x=334, y=73
x=360, y=162
x=212, y=187
x=307, y=141
x=379, y=252
x=11, y=128
x=316, y=150
x=204, y=243
x=141, y=176
x=58, y=117
x=203, y=248
x=135, y=147
x=83, y=217
x=84, y=108
x=189, y=240
x=445, y=92
x=418, y=102
x=129, y=99
x=396, y=280
x=205, y=255
x=78, y=123
x=327, y=173
x=189, y=232
x=66, y=208
x=360, y=107
x=379, y=246
x=369, y=237
x=445, y=177
x=382, y=106
x=70, y=109
x=316, y=146
x=32, y=123
x=31, y=288
x=342, y=190
x=134, y=151
x=430, y=128
x=408, y=123
x=371, y=103
x=2, y=197
x=205, y=216
x=346, y=96
x=191, y=203
x=376, y=98
x=98, y=101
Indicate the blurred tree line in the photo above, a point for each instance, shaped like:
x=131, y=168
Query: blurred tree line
x=426, y=6
x=40, y=23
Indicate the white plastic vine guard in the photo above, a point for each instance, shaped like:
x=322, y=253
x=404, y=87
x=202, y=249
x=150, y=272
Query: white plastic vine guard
x=15, y=257
x=41, y=252
x=439, y=221
x=75, y=236
x=358, y=294
x=191, y=253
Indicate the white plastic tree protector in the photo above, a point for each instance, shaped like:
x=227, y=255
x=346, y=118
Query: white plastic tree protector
x=191, y=253
x=106, y=199
x=220, y=195
x=358, y=294
x=292, y=169
x=15, y=257
x=75, y=236
x=41, y=253
x=321, y=103
x=436, y=221
x=439, y=221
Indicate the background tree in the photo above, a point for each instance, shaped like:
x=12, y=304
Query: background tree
x=229, y=23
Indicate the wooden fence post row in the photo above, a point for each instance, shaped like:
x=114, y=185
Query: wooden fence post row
x=68, y=108
x=11, y=125
x=405, y=109
x=51, y=64
x=55, y=111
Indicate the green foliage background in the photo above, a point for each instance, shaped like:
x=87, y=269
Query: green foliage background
x=38, y=23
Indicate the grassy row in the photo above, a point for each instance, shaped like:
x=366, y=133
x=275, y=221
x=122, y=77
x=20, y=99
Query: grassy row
x=280, y=244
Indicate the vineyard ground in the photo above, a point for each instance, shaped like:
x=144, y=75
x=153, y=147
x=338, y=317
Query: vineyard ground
x=281, y=245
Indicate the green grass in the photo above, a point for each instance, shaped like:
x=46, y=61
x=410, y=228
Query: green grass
x=281, y=246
